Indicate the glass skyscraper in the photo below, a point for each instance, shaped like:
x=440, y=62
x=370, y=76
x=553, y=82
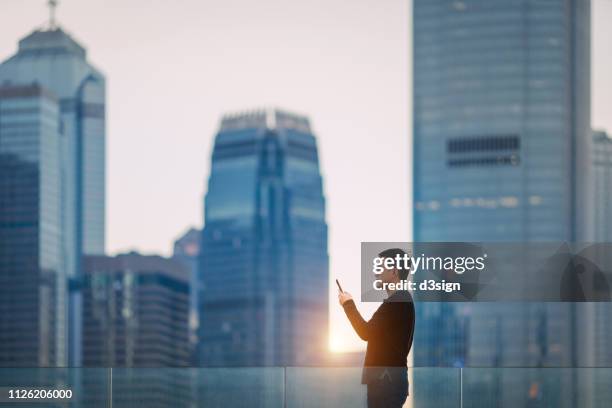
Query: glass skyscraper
x=501, y=120
x=263, y=259
x=599, y=321
x=501, y=153
x=187, y=252
x=55, y=62
x=602, y=169
x=32, y=270
x=136, y=311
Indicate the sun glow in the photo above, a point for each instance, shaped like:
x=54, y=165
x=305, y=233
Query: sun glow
x=341, y=344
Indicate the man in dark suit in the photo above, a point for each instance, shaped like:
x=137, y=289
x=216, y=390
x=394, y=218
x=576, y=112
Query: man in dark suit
x=389, y=335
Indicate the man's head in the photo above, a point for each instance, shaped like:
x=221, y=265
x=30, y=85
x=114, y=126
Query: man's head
x=400, y=270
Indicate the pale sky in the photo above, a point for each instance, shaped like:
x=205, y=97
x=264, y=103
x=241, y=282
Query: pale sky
x=175, y=66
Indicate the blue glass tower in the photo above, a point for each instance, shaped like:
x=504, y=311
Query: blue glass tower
x=501, y=153
x=501, y=120
x=54, y=61
x=602, y=177
x=32, y=270
x=263, y=260
x=187, y=251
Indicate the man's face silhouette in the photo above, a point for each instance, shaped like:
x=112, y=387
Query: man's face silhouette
x=389, y=275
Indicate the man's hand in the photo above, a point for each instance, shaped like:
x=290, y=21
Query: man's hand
x=344, y=297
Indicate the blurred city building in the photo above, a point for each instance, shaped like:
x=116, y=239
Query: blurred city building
x=602, y=176
x=136, y=311
x=137, y=315
x=187, y=251
x=263, y=259
x=502, y=150
x=72, y=103
x=32, y=270
x=598, y=315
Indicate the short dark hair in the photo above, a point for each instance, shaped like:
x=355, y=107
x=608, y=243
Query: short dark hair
x=392, y=253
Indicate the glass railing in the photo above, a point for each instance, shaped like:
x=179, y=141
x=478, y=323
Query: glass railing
x=300, y=387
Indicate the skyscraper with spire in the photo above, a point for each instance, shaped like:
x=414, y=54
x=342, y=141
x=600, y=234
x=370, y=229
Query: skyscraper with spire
x=69, y=99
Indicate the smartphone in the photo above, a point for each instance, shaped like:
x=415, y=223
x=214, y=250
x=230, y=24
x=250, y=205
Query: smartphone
x=339, y=287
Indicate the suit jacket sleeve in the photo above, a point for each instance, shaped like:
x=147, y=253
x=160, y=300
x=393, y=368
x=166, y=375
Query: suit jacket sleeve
x=365, y=329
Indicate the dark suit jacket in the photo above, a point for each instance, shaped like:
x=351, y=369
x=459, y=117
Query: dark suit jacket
x=388, y=333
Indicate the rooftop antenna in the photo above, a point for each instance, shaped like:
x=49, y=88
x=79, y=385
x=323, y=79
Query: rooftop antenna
x=52, y=6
